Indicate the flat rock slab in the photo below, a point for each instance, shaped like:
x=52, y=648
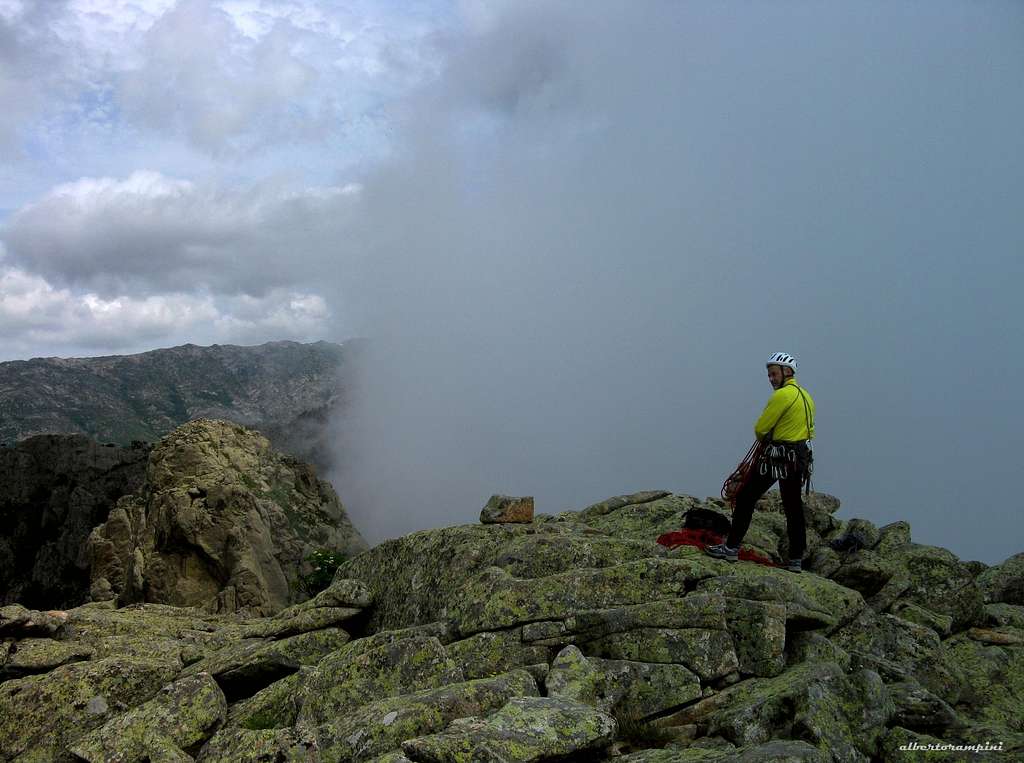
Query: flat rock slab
x=347, y=679
x=41, y=655
x=492, y=652
x=636, y=689
x=382, y=726
x=708, y=653
x=495, y=600
x=247, y=668
x=525, y=730
x=235, y=745
x=45, y=713
x=182, y=715
x=292, y=623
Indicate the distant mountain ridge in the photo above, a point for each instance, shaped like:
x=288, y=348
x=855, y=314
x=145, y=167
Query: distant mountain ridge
x=284, y=389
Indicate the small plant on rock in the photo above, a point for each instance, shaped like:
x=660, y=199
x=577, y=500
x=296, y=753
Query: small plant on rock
x=323, y=564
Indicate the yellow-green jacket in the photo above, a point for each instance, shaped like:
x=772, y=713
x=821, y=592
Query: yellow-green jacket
x=790, y=411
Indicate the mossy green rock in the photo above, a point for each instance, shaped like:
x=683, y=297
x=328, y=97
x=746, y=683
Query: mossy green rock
x=992, y=682
x=631, y=689
x=41, y=655
x=775, y=751
x=183, y=714
x=708, y=653
x=383, y=725
x=811, y=601
x=237, y=745
x=841, y=715
x=525, y=730
x=276, y=706
x=291, y=623
x=919, y=709
x=900, y=650
x=940, y=582
x=1004, y=582
x=345, y=680
x=493, y=652
x=494, y=599
x=250, y=666
x=758, y=630
x=48, y=712
x=342, y=592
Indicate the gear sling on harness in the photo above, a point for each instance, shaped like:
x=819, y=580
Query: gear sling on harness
x=767, y=457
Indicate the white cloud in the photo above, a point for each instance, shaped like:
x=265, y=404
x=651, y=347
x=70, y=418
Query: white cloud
x=36, y=314
x=151, y=234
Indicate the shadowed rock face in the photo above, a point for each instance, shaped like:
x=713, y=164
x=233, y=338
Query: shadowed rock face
x=222, y=522
x=54, y=489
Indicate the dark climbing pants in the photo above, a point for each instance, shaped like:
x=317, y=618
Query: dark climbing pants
x=790, y=487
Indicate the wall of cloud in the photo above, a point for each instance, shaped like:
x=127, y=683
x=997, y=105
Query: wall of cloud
x=601, y=224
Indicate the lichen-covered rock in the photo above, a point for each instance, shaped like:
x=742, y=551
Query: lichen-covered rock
x=525, y=730
x=40, y=655
x=919, y=709
x=942, y=583
x=289, y=623
x=810, y=646
x=45, y=713
x=841, y=715
x=708, y=653
x=632, y=689
x=223, y=522
x=342, y=592
x=18, y=622
x=811, y=602
x=239, y=745
x=243, y=669
x=383, y=725
x=775, y=751
x=899, y=651
x=1004, y=582
x=182, y=714
x=502, y=509
x=494, y=599
x=941, y=624
x=276, y=706
x=493, y=652
x=758, y=630
x=1005, y=614
x=347, y=679
x=991, y=682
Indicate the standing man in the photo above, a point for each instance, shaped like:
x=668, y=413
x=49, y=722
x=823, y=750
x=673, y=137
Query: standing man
x=785, y=427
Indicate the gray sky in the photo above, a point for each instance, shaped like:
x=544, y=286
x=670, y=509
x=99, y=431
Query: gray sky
x=574, y=232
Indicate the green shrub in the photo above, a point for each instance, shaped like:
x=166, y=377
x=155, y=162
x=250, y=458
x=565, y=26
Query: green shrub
x=323, y=563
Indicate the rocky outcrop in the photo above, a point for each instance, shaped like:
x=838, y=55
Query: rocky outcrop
x=54, y=489
x=573, y=637
x=222, y=522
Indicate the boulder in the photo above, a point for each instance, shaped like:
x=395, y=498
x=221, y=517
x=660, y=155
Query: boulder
x=222, y=522
x=43, y=714
x=1004, y=582
x=350, y=678
x=183, y=714
x=503, y=509
x=525, y=730
x=381, y=726
x=624, y=688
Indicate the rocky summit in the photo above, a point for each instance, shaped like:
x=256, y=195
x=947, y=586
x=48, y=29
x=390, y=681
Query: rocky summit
x=570, y=637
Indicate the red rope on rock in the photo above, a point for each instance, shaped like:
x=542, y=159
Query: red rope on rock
x=704, y=538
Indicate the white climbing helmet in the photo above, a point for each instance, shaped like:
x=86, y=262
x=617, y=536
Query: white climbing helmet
x=783, y=359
